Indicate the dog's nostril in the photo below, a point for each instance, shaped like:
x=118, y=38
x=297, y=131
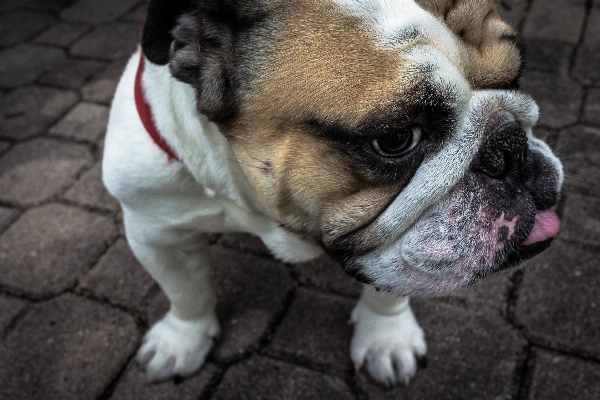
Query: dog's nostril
x=504, y=149
x=494, y=164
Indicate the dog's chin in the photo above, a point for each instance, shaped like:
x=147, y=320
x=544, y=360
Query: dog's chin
x=417, y=282
x=424, y=265
x=514, y=259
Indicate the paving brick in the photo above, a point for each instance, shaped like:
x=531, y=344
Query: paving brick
x=252, y=292
x=25, y=63
x=558, y=377
x=102, y=88
x=586, y=65
x=315, y=328
x=327, y=274
x=558, y=97
x=138, y=14
x=591, y=113
x=73, y=73
x=109, y=42
x=7, y=216
x=4, y=146
x=119, y=278
x=29, y=111
x=86, y=121
x=244, y=242
x=473, y=354
x=49, y=5
x=37, y=170
x=559, y=299
x=579, y=149
x=10, y=307
x=548, y=55
x=588, y=56
x=157, y=307
x=135, y=385
x=514, y=11
x=10, y=5
x=592, y=29
x=555, y=20
x=90, y=191
x=262, y=378
x=488, y=294
x=66, y=348
x=19, y=26
x=97, y=11
x=62, y=34
x=581, y=220
x=49, y=248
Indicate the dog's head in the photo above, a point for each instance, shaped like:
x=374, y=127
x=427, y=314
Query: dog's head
x=391, y=131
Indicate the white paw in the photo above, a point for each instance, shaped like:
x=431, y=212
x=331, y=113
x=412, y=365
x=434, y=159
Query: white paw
x=390, y=346
x=177, y=347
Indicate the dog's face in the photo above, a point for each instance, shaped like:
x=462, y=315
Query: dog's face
x=389, y=131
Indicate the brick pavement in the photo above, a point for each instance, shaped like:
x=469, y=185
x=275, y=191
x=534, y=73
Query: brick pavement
x=74, y=303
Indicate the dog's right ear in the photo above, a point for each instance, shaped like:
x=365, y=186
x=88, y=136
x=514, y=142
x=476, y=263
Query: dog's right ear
x=161, y=19
x=197, y=40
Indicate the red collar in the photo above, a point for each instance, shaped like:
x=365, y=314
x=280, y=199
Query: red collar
x=145, y=112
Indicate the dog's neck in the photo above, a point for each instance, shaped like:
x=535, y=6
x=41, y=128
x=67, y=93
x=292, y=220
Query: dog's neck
x=198, y=142
x=203, y=149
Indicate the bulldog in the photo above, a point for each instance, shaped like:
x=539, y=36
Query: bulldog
x=389, y=134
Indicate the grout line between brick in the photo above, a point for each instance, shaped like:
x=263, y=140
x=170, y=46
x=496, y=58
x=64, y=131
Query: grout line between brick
x=573, y=59
x=14, y=321
x=110, y=388
x=526, y=377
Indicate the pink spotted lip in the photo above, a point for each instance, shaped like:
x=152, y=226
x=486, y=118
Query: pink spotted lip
x=546, y=226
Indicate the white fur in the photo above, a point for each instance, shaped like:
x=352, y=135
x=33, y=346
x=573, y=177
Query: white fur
x=388, y=19
x=543, y=148
x=177, y=347
x=387, y=337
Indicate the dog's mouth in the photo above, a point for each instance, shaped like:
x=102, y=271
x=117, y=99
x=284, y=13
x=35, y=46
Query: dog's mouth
x=437, y=268
x=543, y=232
x=546, y=226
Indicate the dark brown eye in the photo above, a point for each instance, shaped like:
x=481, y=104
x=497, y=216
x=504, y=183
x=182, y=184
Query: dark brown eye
x=398, y=143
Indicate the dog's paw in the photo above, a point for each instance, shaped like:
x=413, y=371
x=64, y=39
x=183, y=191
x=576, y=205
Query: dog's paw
x=392, y=347
x=177, y=347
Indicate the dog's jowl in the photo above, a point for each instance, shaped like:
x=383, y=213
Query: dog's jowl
x=389, y=134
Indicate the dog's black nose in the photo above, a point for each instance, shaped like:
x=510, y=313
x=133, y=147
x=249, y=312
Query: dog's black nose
x=504, y=148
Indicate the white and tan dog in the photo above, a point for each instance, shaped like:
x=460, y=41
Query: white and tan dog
x=387, y=133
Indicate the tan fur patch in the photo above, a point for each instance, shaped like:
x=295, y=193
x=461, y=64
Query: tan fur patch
x=327, y=68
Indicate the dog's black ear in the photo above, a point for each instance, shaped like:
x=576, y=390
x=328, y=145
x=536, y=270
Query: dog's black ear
x=202, y=54
x=198, y=39
x=160, y=21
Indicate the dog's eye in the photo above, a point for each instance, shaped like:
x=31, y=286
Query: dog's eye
x=398, y=143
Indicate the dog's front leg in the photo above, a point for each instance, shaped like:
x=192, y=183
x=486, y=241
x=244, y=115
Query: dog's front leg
x=178, y=260
x=387, y=337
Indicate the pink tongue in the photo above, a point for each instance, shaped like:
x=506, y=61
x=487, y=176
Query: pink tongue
x=546, y=226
